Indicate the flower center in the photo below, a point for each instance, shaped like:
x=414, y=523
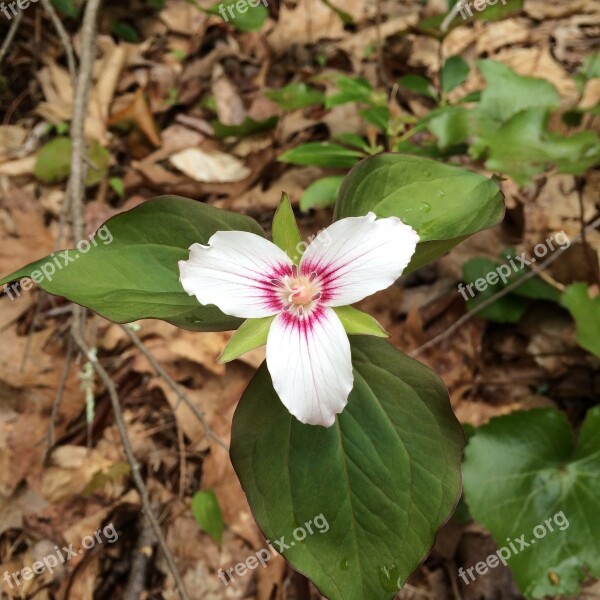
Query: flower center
x=299, y=294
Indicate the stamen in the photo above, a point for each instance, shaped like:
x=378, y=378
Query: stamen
x=287, y=306
x=300, y=311
x=317, y=296
x=278, y=283
x=295, y=271
x=313, y=276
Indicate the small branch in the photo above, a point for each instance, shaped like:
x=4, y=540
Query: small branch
x=10, y=36
x=76, y=184
x=450, y=16
x=64, y=38
x=135, y=468
x=507, y=290
x=143, y=554
x=51, y=439
x=173, y=385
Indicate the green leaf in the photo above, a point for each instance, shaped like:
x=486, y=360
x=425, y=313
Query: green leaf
x=586, y=312
x=68, y=7
x=208, y=514
x=454, y=72
x=508, y=93
x=295, y=96
x=130, y=271
x=345, y=17
x=500, y=10
x=443, y=203
x=523, y=147
x=352, y=89
x=286, y=234
x=451, y=126
x=524, y=473
x=378, y=116
x=418, y=84
x=252, y=334
x=321, y=193
x=117, y=184
x=322, y=154
x=481, y=271
x=248, y=127
x=124, y=31
x=251, y=19
x=373, y=481
x=53, y=162
x=356, y=322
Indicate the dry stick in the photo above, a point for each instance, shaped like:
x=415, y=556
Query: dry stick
x=76, y=185
x=10, y=36
x=51, y=437
x=514, y=285
x=64, y=38
x=173, y=385
x=141, y=559
x=450, y=16
x=135, y=467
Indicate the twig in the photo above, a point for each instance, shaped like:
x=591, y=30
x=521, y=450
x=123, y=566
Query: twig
x=139, y=567
x=450, y=16
x=51, y=438
x=173, y=385
x=76, y=184
x=513, y=286
x=135, y=467
x=10, y=36
x=64, y=38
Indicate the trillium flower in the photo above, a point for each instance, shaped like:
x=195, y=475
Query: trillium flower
x=308, y=351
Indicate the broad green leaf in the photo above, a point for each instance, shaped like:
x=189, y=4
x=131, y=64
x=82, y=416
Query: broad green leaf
x=451, y=126
x=286, y=234
x=208, y=514
x=130, y=269
x=252, y=334
x=70, y=8
x=523, y=147
x=248, y=127
x=418, y=84
x=351, y=90
x=356, y=322
x=378, y=116
x=321, y=193
x=322, y=154
x=525, y=477
x=590, y=68
x=380, y=482
x=454, y=72
x=586, y=312
x=354, y=141
x=508, y=93
x=295, y=96
x=251, y=18
x=53, y=162
x=443, y=203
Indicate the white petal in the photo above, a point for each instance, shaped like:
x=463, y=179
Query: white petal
x=234, y=272
x=358, y=256
x=309, y=361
